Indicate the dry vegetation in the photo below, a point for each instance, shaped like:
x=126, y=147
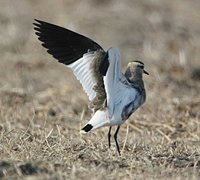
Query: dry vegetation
x=43, y=106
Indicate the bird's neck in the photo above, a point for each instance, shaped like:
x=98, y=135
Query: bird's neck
x=136, y=80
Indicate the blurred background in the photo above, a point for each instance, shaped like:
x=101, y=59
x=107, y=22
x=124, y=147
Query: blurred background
x=38, y=93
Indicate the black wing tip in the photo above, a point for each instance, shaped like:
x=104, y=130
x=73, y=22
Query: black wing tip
x=87, y=128
x=37, y=26
x=37, y=22
x=62, y=40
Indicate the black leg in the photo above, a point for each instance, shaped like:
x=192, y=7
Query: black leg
x=109, y=135
x=115, y=137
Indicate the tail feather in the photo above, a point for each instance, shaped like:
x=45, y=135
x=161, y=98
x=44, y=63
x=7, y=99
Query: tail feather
x=87, y=128
x=98, y=120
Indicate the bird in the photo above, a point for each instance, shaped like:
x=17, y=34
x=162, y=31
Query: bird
x=113, y=95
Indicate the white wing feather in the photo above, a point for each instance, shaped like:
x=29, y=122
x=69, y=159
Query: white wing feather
x=83, y=70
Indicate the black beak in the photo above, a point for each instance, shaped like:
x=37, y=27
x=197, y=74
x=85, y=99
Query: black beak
x=145, y=72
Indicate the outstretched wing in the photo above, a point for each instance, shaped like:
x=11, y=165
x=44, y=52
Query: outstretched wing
x=64, y=45
x=78, y=52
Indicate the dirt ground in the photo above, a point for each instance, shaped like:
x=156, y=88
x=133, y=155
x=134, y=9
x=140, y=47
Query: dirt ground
x=43, y=106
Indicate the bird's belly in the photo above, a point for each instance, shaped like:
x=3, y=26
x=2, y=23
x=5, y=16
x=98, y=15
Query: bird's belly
x=116, y=118
x=122, y=111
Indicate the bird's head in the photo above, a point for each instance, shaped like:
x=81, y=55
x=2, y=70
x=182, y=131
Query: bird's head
x=135, y=70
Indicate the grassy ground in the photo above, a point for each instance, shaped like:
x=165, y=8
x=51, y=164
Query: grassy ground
x=43, y=107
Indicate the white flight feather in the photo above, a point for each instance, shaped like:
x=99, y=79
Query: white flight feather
x=83, y=72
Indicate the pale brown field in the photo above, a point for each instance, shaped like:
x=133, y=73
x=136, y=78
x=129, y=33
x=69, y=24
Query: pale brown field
x=43, y=106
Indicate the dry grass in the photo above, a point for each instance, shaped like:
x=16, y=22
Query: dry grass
x=43, y=106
